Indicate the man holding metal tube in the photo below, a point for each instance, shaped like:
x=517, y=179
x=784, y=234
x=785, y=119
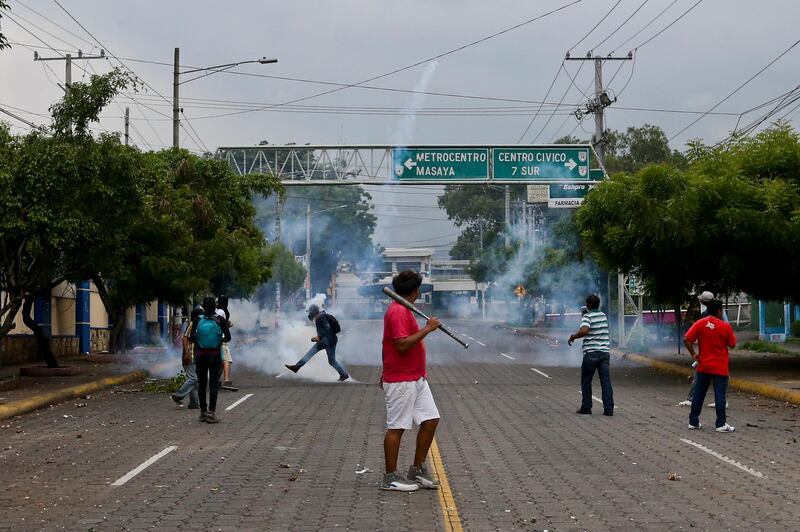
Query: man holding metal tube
x=404, y=380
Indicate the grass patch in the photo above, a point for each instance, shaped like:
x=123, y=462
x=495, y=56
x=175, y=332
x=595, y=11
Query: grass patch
x=760, y=346
x=170, y=385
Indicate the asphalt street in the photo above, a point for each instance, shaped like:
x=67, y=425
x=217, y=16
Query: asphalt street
x=293, y=454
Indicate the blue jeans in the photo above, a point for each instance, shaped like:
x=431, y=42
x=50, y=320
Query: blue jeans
x=190, y=386
x=330, y=349
x=596, y=361
x=720, y=395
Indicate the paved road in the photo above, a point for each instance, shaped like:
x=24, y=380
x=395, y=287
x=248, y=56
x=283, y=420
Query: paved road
x=515, y=454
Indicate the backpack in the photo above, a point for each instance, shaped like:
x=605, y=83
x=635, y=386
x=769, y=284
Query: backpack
x=208, y=334
x=334, y=323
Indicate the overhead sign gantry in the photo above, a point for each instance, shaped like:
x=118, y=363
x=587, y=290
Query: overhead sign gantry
x=419, y=164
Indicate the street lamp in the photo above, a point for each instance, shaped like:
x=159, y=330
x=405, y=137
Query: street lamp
x=176, y=83
x=309, y=214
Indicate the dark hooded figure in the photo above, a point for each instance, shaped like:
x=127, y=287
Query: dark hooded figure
x=325, y=339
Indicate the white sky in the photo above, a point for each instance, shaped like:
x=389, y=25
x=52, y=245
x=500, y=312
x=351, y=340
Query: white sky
x=690, y=67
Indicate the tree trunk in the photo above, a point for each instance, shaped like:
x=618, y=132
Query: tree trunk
x=118, y=341
x=678, y=326
x=8, y=321
x=43, y=350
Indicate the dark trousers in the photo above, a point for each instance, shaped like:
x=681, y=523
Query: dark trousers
x=596, y=361
x=720, y=396
x=208, y=369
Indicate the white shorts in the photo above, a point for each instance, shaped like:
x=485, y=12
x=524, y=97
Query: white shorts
x=226, y=353
x=408, y=403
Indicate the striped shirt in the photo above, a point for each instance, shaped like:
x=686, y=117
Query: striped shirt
x=597, y=339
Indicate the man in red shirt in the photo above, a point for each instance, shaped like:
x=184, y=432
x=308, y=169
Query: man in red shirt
x=404, y=380
x=714, y=337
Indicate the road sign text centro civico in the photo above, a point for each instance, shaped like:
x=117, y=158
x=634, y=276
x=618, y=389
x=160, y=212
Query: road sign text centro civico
x=440, y=163
x=546, y=164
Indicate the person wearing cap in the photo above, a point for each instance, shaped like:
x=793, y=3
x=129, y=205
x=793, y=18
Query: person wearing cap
x=714, y=337
x=227, y=359
x=704, y=298
x=325, y=339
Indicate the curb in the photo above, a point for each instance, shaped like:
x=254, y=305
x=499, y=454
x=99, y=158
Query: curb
x=760, y=388
x=24, y=406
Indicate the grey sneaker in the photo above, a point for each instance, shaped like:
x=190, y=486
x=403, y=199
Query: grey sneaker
x=211, y=418
x=422, y=476
x=394, y=482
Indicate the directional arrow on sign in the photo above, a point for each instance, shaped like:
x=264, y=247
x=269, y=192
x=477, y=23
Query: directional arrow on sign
x=409, y=164
x=571, y=164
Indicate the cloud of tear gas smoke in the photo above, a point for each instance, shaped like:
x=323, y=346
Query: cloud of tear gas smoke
x=571, y=283
x=267, y=350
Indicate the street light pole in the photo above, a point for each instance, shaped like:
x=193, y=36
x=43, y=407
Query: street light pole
x=176, y=83
x=308, y=252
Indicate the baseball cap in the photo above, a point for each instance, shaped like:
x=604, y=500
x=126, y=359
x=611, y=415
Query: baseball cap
x=706, y=296
x=219, y=312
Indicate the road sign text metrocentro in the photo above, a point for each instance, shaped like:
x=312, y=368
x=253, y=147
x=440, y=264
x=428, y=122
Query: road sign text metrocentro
x=447, y=163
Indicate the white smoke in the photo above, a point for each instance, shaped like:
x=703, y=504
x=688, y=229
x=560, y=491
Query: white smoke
x=405, y=129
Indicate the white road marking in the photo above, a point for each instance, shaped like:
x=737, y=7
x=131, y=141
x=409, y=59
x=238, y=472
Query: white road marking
x=470, y=337
x=542, y=373
x=147, y=463
x=481, y=343
x=240, y=401
x=507, y=356
x=725, y=459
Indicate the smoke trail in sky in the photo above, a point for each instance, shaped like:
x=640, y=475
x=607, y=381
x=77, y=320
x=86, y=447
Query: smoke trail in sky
x=405, y=129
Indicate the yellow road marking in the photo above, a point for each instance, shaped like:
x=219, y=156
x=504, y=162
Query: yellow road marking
x=452, y=522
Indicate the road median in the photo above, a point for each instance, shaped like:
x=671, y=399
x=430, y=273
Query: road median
x=761, y=388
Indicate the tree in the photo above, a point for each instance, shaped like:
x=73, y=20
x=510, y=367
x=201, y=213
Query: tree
x=637, y=147
x=729, y=222
x=285, y=269
x=3, y=39
x=195, y=233
x=61, y=194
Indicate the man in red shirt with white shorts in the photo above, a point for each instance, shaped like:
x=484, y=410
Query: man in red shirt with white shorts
x=714, y=336
x=404, y=380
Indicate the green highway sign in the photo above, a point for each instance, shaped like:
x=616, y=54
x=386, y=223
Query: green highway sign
x=545, y=164
x=568, y=195
x=440, y=163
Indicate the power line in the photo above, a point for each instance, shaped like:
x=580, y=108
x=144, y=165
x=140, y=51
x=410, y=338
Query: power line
x=595, y=26
x=418, y=63
x=737, y=89
x=668, y=26
x=652, y=20
x=598, y=45
x=559, y=103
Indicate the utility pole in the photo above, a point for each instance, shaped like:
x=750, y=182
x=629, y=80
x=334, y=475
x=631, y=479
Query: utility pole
x=597, y=106
x=308, y=252
x=524, y=205
x=508, y=215
x=68, y=59
x=278, y=209
x=176, y=111
x=127, y=124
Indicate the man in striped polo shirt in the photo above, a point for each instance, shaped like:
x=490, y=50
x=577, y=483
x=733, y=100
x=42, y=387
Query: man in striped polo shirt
x=596, y=354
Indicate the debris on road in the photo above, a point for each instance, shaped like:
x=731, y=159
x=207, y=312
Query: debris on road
x=673, y=476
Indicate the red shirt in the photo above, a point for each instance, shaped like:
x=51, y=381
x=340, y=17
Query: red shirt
x=715, y=337
x=399, y=322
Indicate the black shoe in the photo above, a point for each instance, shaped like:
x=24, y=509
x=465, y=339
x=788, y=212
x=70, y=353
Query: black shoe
x=344, y=377
x=608, y=413
x=193, y=407
x=292, y=367
x=178, y=400
x=228, y=385
x=203, y=416
x=584, y=411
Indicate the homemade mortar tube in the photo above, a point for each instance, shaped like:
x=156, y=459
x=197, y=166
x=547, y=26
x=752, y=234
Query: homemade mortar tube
x=392, y=294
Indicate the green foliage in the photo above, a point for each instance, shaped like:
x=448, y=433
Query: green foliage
x=171, y=385
x=285, y=269
x=760, y=346
x=729, y=222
